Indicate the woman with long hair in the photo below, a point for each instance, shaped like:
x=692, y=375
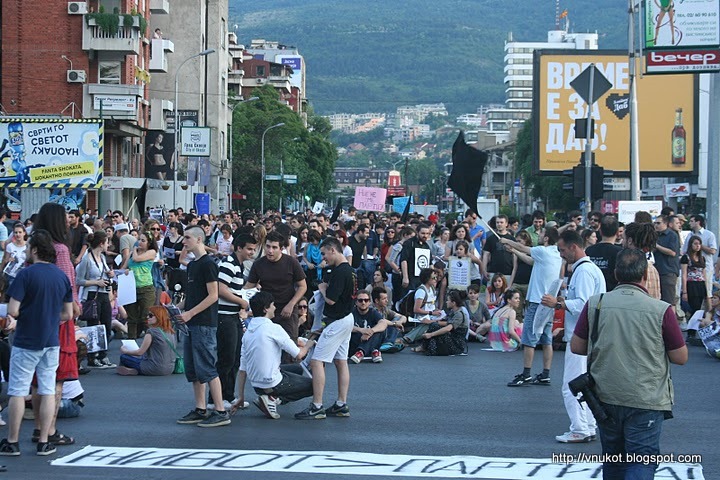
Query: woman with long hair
x=172, y=245
x=94, y=278
x=140, y=263
x=259, y=232
x=53, y=219
x=15, y=255
x=156, y=355
x=504, y=333
x=692, y=265
x=380, y=279
x=495, y=291
x=387, y=243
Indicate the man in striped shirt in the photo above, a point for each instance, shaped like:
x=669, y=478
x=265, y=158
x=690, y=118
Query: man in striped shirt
x=232, y=277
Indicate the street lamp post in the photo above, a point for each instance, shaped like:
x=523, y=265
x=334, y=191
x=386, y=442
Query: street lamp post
x=262, y=166
x=232, y=130
x=177, y=120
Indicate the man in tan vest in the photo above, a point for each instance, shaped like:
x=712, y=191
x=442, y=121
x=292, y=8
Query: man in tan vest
x=638, y=337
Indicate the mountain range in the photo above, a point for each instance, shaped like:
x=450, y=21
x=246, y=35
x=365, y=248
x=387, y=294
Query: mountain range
x=375, y=55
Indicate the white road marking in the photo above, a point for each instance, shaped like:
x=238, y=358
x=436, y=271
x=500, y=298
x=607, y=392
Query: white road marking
x=353, y=463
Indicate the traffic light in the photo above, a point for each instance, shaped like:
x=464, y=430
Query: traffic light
x=597, y=188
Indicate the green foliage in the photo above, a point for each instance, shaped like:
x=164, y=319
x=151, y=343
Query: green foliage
x=376, y=55
x=108, y=23
x=305, y=152
x=548, y=189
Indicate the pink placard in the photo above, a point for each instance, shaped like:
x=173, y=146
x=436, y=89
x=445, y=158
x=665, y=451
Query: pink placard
x=370, y=199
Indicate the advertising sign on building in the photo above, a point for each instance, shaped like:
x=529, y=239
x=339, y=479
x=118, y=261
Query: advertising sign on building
x=682, y=24
x=666, y=110
x=295, y=62
x=47, y=153
x=117, y=103
x=195, y=141
x=627, y=209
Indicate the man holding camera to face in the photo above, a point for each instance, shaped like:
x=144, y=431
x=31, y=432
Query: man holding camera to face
x=632, y=339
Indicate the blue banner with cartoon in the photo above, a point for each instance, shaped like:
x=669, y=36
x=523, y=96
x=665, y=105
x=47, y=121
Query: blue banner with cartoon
x=51, y=153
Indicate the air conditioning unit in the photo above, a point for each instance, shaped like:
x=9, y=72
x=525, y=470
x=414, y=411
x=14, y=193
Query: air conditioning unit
x=76, y=76
x=77, y=8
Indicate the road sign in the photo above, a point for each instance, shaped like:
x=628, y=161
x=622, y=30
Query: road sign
x=272, y=177
x=617, y=184
x=290, y=178
x=581, y=84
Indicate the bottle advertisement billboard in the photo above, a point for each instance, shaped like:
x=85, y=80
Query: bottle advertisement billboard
x=667, y=114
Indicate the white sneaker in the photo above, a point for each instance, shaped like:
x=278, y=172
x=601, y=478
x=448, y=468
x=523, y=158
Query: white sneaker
x=570, y=437
x=267, y=405
x=243, y=406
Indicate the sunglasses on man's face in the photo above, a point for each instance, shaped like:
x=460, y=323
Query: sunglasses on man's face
x=363, y=300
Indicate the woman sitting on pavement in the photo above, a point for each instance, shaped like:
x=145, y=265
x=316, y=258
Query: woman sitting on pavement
x=424, y=307
x=380, y=279
x=156, y=356
x=448, y=337
x=495, y=291
x=505, y=331
x=479, y=314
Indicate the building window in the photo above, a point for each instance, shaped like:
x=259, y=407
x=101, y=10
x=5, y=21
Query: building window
x=260, y=71
x=109, y=72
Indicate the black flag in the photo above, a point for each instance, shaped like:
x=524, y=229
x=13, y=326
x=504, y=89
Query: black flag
x=336, y=212
x=140, y=198
x=467, y=172
x=406, y=211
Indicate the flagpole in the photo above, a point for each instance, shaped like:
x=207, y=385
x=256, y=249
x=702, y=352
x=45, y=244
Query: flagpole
x=489, y=227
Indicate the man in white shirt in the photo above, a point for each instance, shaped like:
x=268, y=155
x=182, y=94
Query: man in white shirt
x=585, y=281
x=709, y=247
x=262, y=347
x=546, y=263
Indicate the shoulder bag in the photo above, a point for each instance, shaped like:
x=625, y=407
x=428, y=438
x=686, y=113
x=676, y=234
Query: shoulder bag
x=179, y=362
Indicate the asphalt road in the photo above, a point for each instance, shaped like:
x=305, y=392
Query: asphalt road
x=408, y=405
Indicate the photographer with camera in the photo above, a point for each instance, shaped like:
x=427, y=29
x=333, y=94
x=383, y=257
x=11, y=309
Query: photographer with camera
x=632, y=338
x=94, y=278
x=585, y=281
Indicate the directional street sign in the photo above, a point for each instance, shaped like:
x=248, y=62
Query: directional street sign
x=581, y=84
x=272, y=177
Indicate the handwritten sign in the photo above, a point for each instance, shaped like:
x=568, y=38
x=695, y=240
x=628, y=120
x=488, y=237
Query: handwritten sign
x=370, y=199
x=458, y=273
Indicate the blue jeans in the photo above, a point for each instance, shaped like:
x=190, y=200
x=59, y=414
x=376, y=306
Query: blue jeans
x=200, y=353
x=635, y=431
x=131, y=361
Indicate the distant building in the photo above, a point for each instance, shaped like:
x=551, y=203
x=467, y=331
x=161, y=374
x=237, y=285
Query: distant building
x=348, y=177
x=356, y=122
x=289, y=83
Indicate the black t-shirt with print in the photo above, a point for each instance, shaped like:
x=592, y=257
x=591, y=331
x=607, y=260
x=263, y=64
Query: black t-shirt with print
x=341, y=290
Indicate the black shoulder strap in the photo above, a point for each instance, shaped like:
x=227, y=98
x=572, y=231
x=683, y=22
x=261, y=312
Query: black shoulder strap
x=594, y=330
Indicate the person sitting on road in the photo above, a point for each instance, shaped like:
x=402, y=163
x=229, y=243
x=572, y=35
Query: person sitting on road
x=495, y=291
x=368, y=332
x=262, y=347
x=504, y=333
x=447, y=337
x=479, y=314
x=391, y=343
x=424, y=307
x=156, y=356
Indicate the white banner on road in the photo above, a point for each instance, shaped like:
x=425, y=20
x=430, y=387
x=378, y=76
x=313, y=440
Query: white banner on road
x=359, y=463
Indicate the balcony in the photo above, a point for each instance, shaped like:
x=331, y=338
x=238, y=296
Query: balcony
x=281, y=82
x=126, y=40
x=119, y=102
x=159, y=7
x=158, y=59
x=159, y=109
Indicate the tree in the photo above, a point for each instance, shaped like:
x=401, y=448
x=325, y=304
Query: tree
x=305, y=152
x=549, y=189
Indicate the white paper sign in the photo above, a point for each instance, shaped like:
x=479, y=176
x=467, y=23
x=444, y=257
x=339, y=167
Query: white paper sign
x=422, y=260
x=317, y=208
x=628, y=208
x=96, y=341
x=544, y=314
x=458, y=273
x=126, y=289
